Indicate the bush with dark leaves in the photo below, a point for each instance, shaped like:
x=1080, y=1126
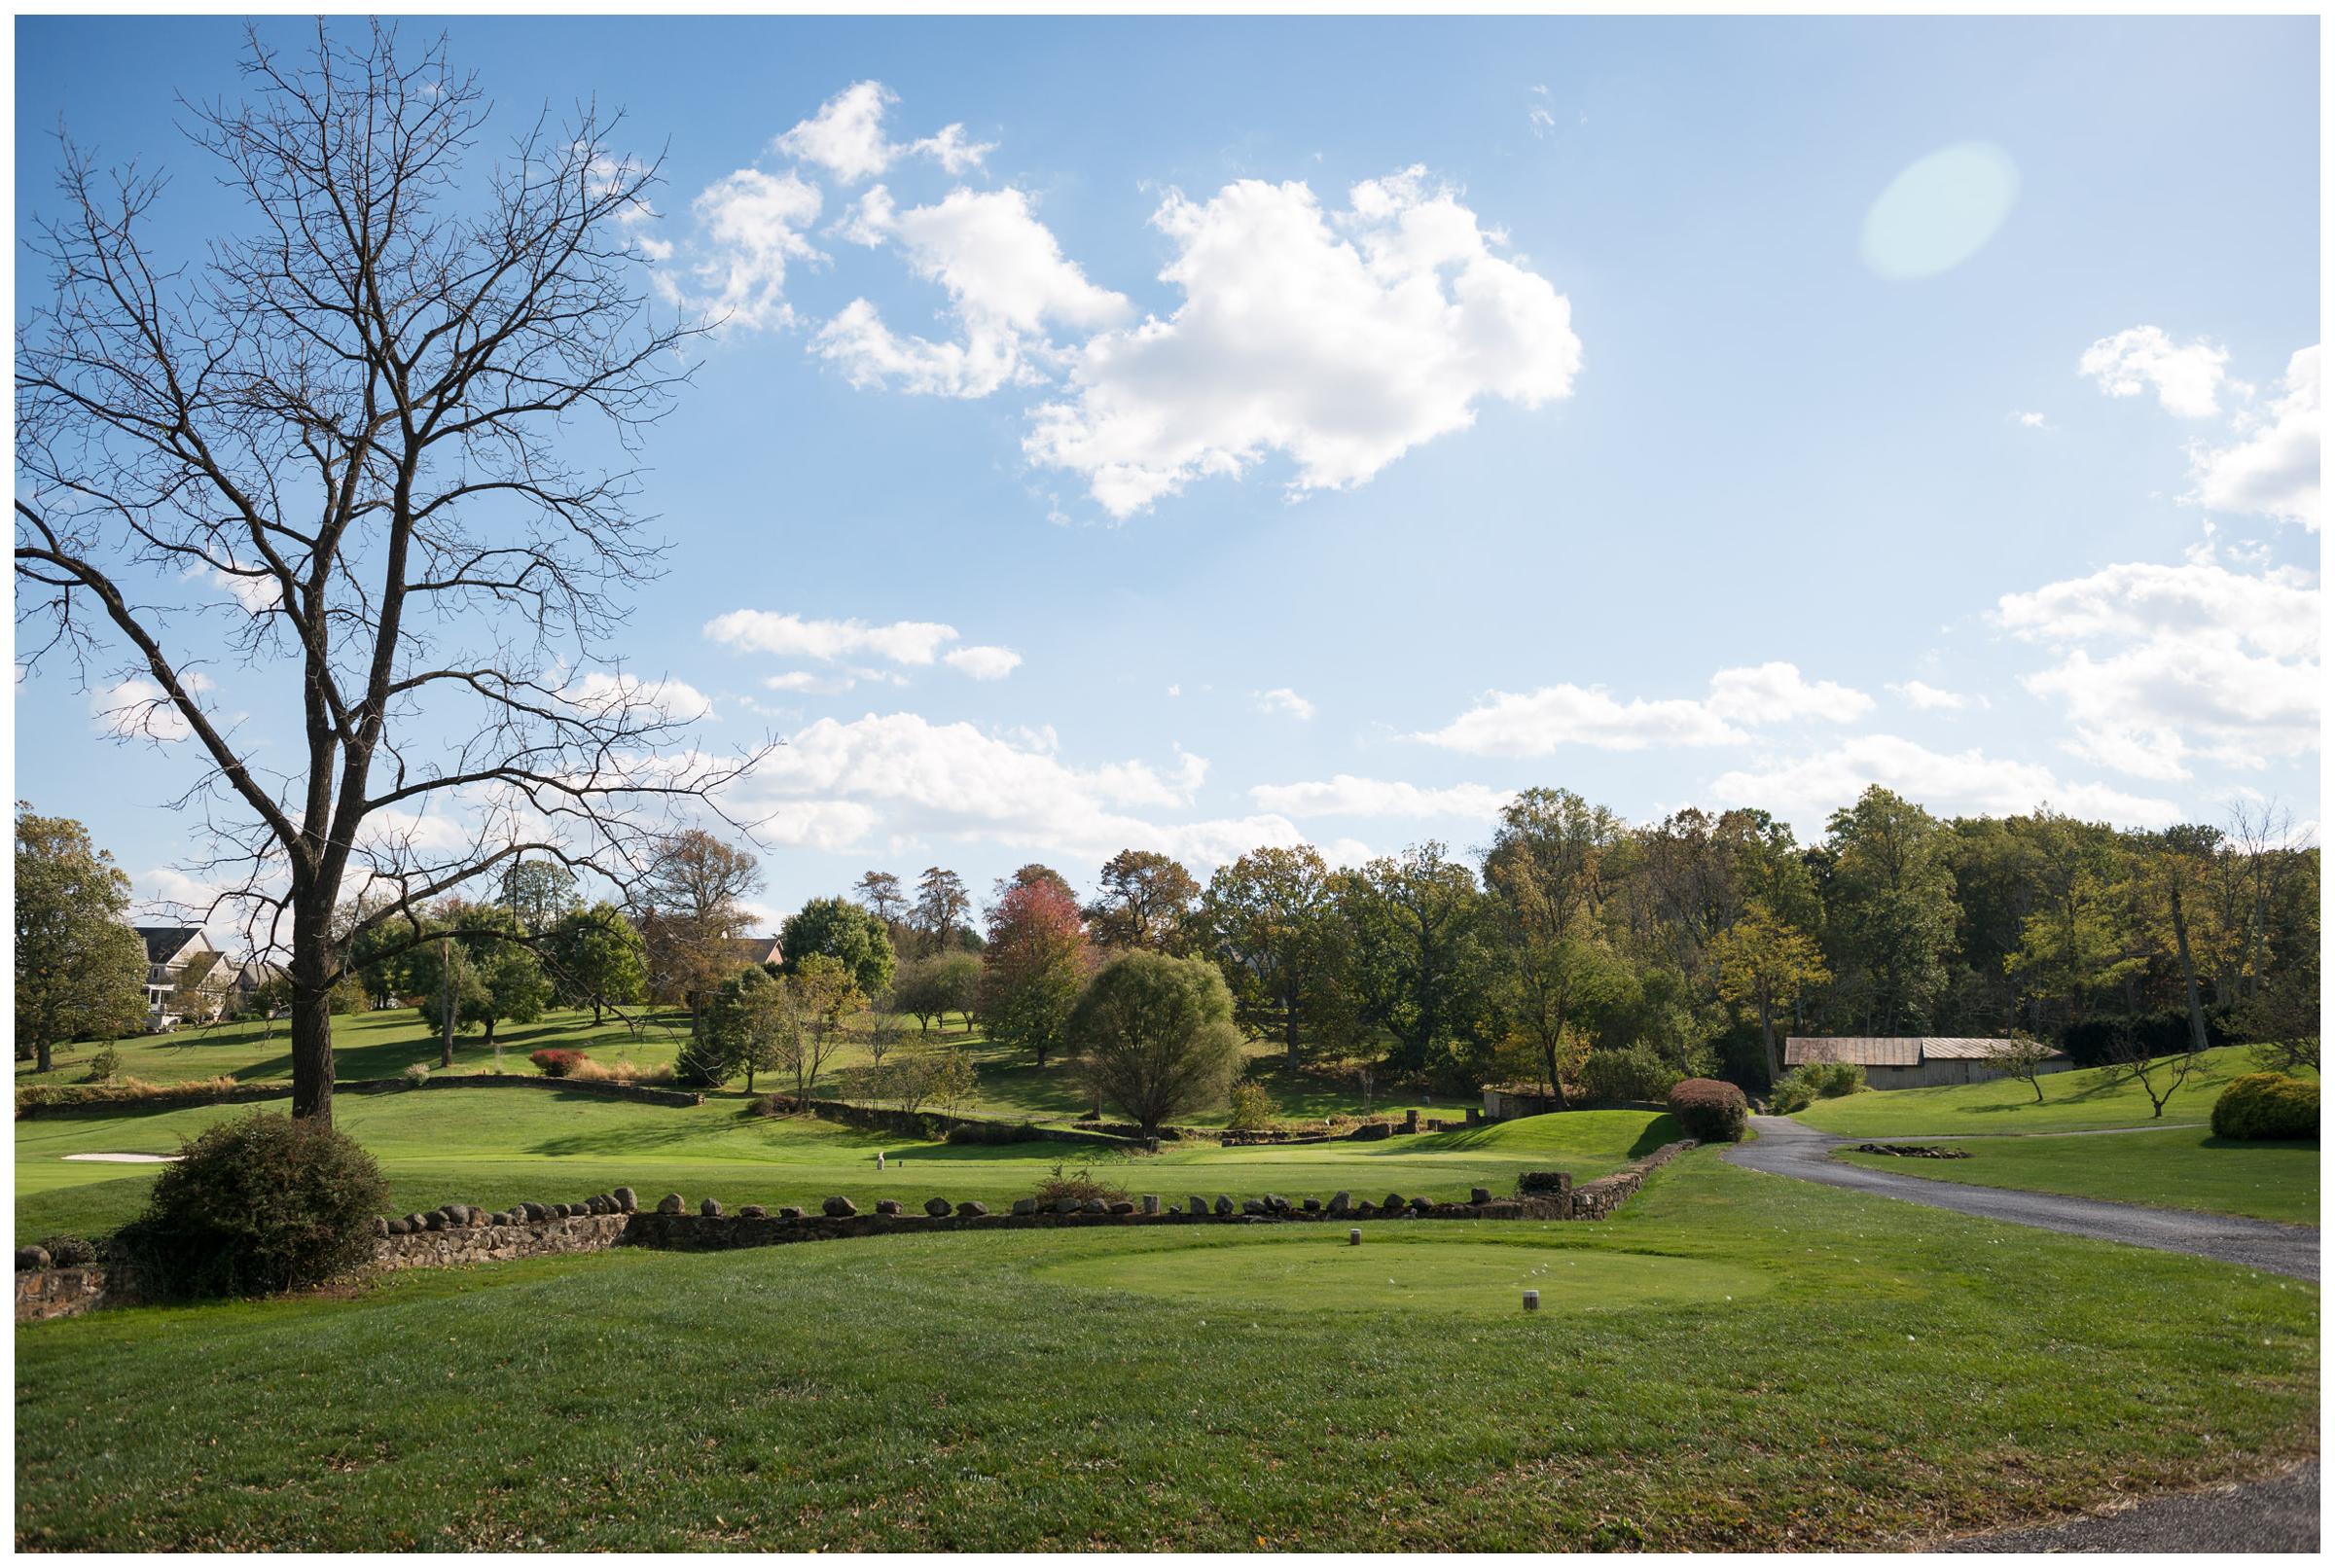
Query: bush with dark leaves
x=1710, y=1110
x=257, y=1204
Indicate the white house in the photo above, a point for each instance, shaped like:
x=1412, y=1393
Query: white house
x=186, y=977
x=1911, y=1061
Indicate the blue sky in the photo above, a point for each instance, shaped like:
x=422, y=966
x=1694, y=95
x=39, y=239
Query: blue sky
x=1341, y=423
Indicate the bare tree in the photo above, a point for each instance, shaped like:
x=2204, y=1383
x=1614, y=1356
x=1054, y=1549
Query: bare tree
x=2021, y=1055
x=2159, y=1077
x=338, y=438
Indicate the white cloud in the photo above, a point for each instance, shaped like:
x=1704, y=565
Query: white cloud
x=1534, y=724
x=622, y=696
x=1929, y=698
x=1349, y=796
x=1006, y=279
x=847, y=137
x=924, y=780
x=2273, y=466
x=984, y=663
x=1339, y=340
x=2161, y=664
x=1539, y=113
x=1281, y=699
x=139, y=709
x=751, y=225
x=2187, y=381
x=1777, y=693
x=792, y=637
x=1808, y=788
x=257, y=595
x=2029, y=419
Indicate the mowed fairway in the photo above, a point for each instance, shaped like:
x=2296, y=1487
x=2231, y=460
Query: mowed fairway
x=383, y=1045
x=1896, y=1373
x=2176, y=1167
x=2073, y=1100
x=496, y=1147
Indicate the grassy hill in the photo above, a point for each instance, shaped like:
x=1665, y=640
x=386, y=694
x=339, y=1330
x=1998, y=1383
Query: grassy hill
x=2074, y=1100
x=1736, y=1361
x=383, y=1045
x=496, y=1149
x=2175, y=1167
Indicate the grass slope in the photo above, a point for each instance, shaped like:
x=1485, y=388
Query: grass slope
x=383, y=1045
x=2072, y=1101
x=2177, y=1167
x=1904, y=1372
x=498, y=1147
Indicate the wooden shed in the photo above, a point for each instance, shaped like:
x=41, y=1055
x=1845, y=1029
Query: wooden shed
x=1910, y=1062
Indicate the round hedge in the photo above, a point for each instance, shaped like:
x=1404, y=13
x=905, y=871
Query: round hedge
x=257, y=1204
x=2267, y=1105
x=1708, y=1109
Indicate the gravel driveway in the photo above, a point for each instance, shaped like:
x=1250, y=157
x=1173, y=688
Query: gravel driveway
x=1785, y=1148
x=2279, y=1514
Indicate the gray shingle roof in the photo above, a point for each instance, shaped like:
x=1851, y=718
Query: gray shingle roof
x=1890, y=1050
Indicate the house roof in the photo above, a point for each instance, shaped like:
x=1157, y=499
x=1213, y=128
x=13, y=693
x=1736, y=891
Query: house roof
x=755, y=949
x=165, y=943
x=1890, y=1050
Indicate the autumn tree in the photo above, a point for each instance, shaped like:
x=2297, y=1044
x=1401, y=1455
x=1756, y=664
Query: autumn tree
x=81, y=970
x=2021, y=1055
x=1767, y=965
x=1155, y=1037
x=1032, y=969
x=342, y=432
x=1144, y=900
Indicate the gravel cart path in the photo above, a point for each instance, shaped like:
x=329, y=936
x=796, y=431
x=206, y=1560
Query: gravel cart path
x=1785, y=1148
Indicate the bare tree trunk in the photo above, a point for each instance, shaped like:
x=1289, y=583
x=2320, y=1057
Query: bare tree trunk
x=1767, y=1040
x=2180, y=936
x=311, y=970
x=447, y=1004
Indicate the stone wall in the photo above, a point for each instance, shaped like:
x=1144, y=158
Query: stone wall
x=59, y=1292
x=1597, y=1200
x=500, y=1243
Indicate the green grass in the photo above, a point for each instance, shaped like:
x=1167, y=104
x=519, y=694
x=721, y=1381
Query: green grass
x=2073, y=1100
x=498, y=1147
x=2181, y=1168
x=383, y=1045
x=1902, y=1373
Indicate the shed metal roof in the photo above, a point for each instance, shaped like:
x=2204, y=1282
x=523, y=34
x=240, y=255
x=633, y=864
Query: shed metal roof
x=1890, y=1050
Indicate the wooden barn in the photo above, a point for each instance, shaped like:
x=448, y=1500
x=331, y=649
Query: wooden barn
x=1910, y=1062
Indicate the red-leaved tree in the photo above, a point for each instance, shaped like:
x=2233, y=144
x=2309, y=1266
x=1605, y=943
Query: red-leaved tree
x=1033, y=969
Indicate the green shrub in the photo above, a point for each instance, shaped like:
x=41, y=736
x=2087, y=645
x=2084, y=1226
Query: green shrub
x=1708, y=1109
x=257, y=1203
x=1081, y=1185
x=69, y=1252
x=1632, y=1073
x=105, y=1066
x=1810, y=1082
x=2267, y=1105
x=1252, y=1108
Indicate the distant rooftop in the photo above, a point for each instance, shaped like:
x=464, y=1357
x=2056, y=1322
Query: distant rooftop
x=1890, y=1050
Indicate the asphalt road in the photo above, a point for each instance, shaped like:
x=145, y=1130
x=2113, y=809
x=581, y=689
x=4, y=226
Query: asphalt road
x=2279, y=1514
x=1785, y=1148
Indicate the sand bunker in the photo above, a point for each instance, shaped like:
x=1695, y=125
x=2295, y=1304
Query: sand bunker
x=129, y=1159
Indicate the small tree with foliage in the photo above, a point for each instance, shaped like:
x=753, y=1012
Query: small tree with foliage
x=80, y=971
x=596, y=956
x=1155, y=1037
x=846, y=932
x=1766, y=964
x=930, y=988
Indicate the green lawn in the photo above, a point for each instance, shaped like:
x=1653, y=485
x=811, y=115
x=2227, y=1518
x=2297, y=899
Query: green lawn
x=498, y=1147
x=1881, y=1372
x=383, y=1045
x=2074, y=1100
x=2181, y=1168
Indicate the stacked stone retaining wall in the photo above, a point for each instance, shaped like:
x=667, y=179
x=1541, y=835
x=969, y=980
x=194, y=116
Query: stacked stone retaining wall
x=32, y=1101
